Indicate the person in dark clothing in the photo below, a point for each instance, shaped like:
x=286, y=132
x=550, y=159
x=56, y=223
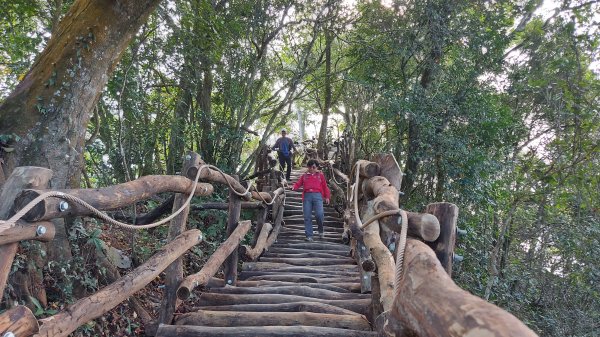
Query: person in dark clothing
x=284, y=146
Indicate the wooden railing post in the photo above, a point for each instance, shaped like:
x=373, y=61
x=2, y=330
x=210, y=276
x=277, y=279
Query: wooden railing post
x=233, y=217
x=174, y=272
x=447, y=215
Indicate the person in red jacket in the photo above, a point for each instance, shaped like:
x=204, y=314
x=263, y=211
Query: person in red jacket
x=314, y=193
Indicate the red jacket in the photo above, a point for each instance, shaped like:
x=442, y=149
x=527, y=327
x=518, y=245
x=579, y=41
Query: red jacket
x=313, y=183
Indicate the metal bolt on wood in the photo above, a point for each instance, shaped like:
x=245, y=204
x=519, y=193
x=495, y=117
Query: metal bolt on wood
x=8, y=334
x=188, y=157
x=63, y=206
x=41, y=230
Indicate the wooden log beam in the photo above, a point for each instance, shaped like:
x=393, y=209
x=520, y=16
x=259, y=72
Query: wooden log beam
x=174, y=272
x=422, y=225
x=261, y=219
x=432, y=305
x=278, y=209
x=19, y=321
x=248, y=318
x=211, y=266
x=251, y=254
x=43, y=231
x=86, y=309
x=269, y=331
x=357, y=305
x=21, y=178
x=447, y=214
x=107, y=198
x=306, y=306
x=389, y=168
x=212, y=175
x=367, y=169
x=383, y=258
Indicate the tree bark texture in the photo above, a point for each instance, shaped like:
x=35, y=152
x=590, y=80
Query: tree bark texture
x=211, y=266
x=51, y=106
x=432, y=305
x=18, y=320
x=86, y=309
x=21, y=178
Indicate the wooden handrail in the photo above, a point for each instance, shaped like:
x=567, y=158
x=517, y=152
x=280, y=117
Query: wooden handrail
x=107, y=198
x=431, y=304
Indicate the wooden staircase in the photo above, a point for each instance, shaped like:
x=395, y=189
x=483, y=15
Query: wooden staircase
x=297, y=288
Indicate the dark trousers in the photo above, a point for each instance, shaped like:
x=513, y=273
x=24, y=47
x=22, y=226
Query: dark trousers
x=283, y=160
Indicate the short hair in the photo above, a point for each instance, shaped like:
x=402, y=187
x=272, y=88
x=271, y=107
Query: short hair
x=312, y=162
x=283, y=130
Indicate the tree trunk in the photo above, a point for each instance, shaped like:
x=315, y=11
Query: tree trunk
x=203, y=98
x=322, y=142
x=50, y=108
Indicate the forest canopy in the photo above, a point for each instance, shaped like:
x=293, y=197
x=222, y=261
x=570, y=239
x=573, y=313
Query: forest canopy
x=491, y=105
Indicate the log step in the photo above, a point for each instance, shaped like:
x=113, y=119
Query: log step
x=263, y=319
x=269, y=331
x=359, y=305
